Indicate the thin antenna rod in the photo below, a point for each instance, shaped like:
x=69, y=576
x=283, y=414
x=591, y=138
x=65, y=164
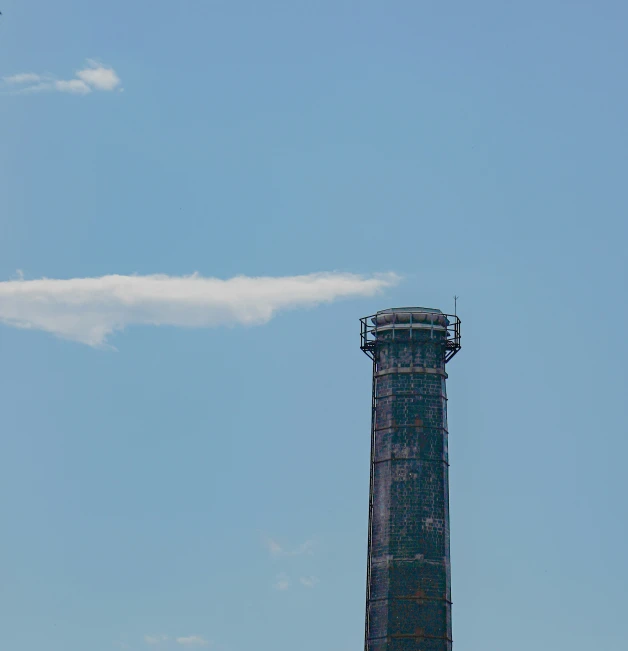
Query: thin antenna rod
x=456, y=305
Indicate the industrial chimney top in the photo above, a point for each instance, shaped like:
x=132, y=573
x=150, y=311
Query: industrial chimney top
x=410, y=318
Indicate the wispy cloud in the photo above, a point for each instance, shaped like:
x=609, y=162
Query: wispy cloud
x=76, y=86
x=155, y=639
x=274, y=547
x=192, y=640
x=276, y=550
x=88, y=310
x=94, y=76
x=305, y=548
x=309, y=581
x=23, y=78
x=282, y=582
x=189, y=640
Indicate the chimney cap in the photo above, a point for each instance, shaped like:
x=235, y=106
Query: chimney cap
x=428, y=310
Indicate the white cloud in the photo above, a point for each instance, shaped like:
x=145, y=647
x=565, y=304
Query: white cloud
x=192, y=640
x=94, y=76
x=88, y=310
x=282, y=582
x=99, y=76
x=155, y=639
x=309, y=581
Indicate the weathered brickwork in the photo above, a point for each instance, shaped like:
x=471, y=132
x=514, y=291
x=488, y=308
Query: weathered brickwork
x=409, y=593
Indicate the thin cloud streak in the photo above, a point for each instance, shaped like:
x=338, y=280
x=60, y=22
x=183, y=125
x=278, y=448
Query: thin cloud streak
x=155, y=639
x=75, y=86
x=192, y=640
x=277, y=551
x=88, y=310
x=22, y=78
x=94, y=76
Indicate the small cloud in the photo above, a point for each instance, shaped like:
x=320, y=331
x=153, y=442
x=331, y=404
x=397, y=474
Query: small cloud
x=99, y=76
x=282, y=582
x=192, y=640
x=155, y=639
x=94, y=76
x=309, y=581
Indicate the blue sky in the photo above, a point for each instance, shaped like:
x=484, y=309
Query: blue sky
x=209, y=484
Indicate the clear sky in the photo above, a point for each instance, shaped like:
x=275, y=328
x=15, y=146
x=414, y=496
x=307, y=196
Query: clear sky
x=210, y=484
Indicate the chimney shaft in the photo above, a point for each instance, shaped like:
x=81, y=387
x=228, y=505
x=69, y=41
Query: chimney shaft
x=408, y=605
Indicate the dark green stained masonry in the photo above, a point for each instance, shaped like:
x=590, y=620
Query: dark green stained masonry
x=408, y=604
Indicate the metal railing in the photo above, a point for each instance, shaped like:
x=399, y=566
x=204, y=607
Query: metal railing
x=369, y=329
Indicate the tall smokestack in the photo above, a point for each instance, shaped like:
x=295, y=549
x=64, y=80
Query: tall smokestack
x=408, y=593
